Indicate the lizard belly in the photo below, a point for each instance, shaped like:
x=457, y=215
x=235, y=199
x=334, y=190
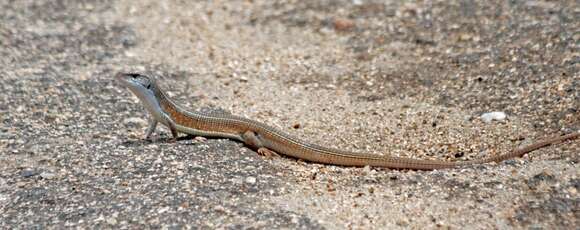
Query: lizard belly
x=204, y=133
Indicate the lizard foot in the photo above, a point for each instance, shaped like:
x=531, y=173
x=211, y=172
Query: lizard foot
x=267, y=153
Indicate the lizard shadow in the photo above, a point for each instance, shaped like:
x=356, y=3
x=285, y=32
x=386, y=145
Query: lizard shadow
x=183, y=140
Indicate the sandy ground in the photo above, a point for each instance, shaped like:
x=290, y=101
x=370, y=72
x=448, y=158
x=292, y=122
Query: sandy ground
x=403, y=78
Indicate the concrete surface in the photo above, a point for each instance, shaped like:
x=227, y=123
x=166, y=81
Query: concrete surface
x=406, y=78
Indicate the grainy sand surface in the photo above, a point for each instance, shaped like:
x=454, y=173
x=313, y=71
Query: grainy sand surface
x=402, y=78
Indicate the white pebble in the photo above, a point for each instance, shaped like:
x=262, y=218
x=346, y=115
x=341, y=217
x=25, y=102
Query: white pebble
x=47, y=175
x=251, y=180
x=498, y=116
x=135, y=120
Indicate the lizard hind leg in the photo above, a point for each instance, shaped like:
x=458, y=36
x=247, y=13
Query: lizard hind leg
x=252, y=140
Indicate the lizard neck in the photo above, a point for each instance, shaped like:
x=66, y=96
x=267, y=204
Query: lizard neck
x=164, y=101
x=168, y=106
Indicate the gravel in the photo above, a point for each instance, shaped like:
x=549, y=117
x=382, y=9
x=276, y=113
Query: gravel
x=404, y=78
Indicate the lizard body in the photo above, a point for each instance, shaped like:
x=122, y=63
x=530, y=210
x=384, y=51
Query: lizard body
x=268, y=140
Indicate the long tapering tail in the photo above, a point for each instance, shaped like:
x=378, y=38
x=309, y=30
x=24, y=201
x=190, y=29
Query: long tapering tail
x=519, y=152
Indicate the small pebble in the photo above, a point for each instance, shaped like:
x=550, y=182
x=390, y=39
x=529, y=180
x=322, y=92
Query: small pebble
x=343, y=24
x=135, y=120
x=489, y=117
x=47, y=175
x=28, y=173
x=111, y=221
x=250, y=180
x=572, y=191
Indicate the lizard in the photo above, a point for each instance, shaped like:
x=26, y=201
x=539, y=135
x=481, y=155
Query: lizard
x=269, y=141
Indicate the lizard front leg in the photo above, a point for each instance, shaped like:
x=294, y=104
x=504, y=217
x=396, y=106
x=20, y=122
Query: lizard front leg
x=151, y=128
x=252, y=140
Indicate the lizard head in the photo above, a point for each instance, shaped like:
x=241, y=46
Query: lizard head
x=146, y=89
x=136, y=82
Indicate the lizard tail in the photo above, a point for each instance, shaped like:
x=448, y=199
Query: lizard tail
x=417, y=164
x=519, y=152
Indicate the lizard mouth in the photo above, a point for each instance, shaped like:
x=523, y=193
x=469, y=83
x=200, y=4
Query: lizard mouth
x=122, y=77
x=125, y=76
x=133, y=79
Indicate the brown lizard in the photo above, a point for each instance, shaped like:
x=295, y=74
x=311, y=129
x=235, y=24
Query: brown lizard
x=268, y=141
